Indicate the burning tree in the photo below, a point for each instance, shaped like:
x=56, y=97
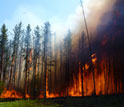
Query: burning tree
x=27, y=58
x=46, y=51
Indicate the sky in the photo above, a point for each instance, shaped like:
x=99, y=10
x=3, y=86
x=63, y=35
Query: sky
x=62, y=14
x=45, y=10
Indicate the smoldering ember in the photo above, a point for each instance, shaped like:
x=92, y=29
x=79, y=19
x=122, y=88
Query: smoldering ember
x=35, y=64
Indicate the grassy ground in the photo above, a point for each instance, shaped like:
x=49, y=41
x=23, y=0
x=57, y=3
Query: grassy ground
x=101, y=101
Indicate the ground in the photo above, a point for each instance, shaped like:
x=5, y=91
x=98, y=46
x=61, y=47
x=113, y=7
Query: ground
x=93, y=101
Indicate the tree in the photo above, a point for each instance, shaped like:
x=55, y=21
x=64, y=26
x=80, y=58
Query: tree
x=68, y=51
x=27, y=56
x=46, y=46
x=82, y=56
x=21, y=57
x=37, y=47
x=3, y=51
x=8, y=61
x=37, y=50
x=55, y=51
x=17, y=34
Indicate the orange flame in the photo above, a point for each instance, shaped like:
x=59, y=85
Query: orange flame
x=10, y=94
x=76, y=89
x=94, y=58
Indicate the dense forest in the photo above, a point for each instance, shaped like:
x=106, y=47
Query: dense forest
x=34, y=64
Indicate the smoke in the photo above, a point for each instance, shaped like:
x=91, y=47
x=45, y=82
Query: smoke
x=94, y=10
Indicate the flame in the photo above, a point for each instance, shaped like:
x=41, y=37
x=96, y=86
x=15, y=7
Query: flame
x=104, y=81
x=94, y=58
x=10, y=94
x=74, y=91
x=86, y=67
x=49, y=95
x=27, y=96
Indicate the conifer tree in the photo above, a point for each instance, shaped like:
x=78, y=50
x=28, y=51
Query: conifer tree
x=3, y=51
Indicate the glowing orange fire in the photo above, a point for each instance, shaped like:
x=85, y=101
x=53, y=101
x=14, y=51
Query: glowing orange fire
x=10, y=94
x=27, y=96
x=94, y=58
x=49, y=95
x=74, y=91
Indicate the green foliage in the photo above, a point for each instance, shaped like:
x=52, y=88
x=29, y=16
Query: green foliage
x=17, y=34
x=29, y=103
x=3, y=37
x=28, y=36
x=3, y=50
x=2, y=86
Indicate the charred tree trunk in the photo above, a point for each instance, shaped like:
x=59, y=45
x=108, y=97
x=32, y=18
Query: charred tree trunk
x=10, y=78
x=14, y=72
x=38, y=66
x=34, y=76
x=55, y=66
x=1, y=75
x=41, y=73
x=55, y=56
x=61, y=66
x=26, y=71
x=94, y=79
x=45, y=71
x=104, y=67
x=45, y=68
x=82, y=80
x=19, y=76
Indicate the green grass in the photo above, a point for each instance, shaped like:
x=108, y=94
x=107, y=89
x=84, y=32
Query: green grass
x=94, y=101
x=28, y=103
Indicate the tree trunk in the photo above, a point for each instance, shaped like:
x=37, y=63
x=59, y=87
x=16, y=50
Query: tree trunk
x=45, y=71
x=20, y=66
x=26, y=70
x=2, y=65
x=82, y=80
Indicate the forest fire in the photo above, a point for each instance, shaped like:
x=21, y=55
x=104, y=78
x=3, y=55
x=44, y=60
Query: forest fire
x=42, y=70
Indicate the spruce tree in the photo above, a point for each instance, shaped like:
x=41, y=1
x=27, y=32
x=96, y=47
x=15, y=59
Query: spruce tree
x=3, y=51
